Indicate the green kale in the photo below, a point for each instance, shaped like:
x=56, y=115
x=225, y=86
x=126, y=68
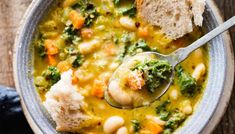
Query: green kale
x=155, y=73
x=52, y=75
x=167, y=131
x=71, y=34
x=187, y=83
x=162, y=110
x=139, y=46
x=116, y=2
x=175, y=120
x=136, y=125
x=39, y=44
x=88, y=10
x=78, y=61
x=131, y=12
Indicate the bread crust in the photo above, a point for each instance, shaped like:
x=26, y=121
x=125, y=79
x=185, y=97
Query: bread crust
x=175, y=17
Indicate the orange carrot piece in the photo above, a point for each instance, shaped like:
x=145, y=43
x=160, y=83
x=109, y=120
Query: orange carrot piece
x=51, y=47
x=110, y=49
x=153, y=127
x=77, y=19
x=52, y=60
x=135, y=80
x=74, y=80
x=63, y=66
x=86, y=33
x=98, y=88
x=143, y=32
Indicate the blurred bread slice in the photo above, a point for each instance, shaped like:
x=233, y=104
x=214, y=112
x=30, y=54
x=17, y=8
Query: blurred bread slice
x=175, y=17
x=67, y=107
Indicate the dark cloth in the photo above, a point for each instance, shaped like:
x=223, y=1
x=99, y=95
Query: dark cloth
x=12, y=119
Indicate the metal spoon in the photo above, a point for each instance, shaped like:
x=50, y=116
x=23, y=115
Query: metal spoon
x=174, y=59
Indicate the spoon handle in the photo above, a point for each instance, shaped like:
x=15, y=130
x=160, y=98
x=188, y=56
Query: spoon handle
x=182, y=53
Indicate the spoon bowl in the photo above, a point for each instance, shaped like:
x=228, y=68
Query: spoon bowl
x=112, y=96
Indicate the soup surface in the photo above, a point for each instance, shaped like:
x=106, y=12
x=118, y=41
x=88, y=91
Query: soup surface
x=92, y=38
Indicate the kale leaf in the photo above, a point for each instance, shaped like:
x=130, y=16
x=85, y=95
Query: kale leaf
x=78, y=61
x=116, y=2
x=52, y=75
x=136, y=125
x=162, y=111
x=187, y=83
x=155, y=72
x=175, y=120
x=88, y=10
x=131, y=12
x=139, y=46
x=71, y=34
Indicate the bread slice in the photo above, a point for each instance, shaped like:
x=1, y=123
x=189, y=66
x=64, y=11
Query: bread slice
x=173, y=16
x=67, y=107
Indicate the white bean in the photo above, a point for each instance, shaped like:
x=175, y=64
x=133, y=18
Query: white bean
x=188, y=109
x=174, y=94
x=118, y=94
x=156, y=120
x=122, y=130
x=199, y=71
x=88, y=47
x=112, y=124
x=127, y=23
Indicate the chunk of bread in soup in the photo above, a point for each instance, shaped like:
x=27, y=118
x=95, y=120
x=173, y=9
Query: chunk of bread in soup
x=67, y=107
x=175, y=17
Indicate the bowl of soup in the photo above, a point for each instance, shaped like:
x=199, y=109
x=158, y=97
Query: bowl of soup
x=66, y=52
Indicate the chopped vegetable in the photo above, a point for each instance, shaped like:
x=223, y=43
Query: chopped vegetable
x=139, y=46
x=175, y=120
x=153, y=127
x=51, y=60
x=86, y=33
x=51, y=47
x=63, y=66
x=155, y=72
x=162, y=110
x=135, y=80
x=187, y=83
x=88, y=10
x=131, y=12
x=78, y=61
x=136, y=125
x=72, y=35
x=52, y=75
x=116, y=2
x=98, y=88
x=77, y=19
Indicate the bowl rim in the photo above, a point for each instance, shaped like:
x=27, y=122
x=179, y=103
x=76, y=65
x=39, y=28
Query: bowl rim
x=224, y=99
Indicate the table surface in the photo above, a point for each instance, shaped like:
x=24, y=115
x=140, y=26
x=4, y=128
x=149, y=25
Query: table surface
x=11, y=12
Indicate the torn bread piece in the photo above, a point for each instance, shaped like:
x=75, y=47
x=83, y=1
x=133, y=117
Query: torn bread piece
x=67, y=107
x=175, y=17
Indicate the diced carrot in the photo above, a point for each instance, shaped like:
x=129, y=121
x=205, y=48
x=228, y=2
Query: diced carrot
x=153, y=127
x=51, y=47
x=135, y=80
x=86, y=33
x=143, y=32
x=77, y=19
x=63, y=66
x=52, y=60
x=98, y=88
x=110, y=49
x=74, y=79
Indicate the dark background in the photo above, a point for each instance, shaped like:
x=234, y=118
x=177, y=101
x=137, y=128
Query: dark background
x=11, y=12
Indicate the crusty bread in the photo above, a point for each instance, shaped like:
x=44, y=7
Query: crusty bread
x=173, y=16
x=67, y=107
